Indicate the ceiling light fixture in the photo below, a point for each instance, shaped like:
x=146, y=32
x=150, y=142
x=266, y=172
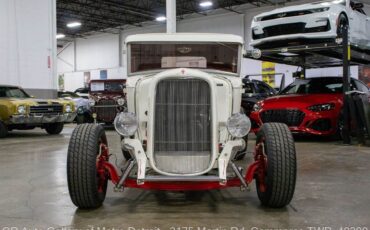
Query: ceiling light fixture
x=161, y=19
x=206, y=4
x=73, y=24
x=59, y=36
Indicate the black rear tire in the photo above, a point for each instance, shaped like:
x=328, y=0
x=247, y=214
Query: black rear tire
x=81, y=166
x=342, y=22
x=3, y=130
x=281, y=170
x=54, y=128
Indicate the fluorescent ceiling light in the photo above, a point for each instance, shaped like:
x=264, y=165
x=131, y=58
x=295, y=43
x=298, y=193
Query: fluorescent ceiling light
x=59, y=36
x=206, y=4
x=161, y=18
x=73, y=24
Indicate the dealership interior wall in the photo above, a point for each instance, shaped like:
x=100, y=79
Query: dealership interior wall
x=28, y=46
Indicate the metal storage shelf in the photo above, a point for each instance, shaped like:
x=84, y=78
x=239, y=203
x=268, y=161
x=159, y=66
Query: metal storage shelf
x=329, y=54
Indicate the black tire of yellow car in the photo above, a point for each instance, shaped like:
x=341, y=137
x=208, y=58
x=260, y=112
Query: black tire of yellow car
x=3, y=130
x=54, y=128
x=81, y=166
x=281, y=169
x=241, y=154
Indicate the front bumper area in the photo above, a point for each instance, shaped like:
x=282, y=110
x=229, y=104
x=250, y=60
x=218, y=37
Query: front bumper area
x=42, y=118
x=310, y=26
x=135, y=148
x=314, y=123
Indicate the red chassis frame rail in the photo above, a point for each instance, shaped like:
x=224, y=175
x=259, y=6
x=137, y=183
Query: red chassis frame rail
x=256, y=169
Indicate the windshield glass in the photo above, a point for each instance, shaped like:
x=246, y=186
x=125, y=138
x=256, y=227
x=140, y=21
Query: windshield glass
x=13, y=92
x=217, y=56
x=315, y=85
x=107, y=86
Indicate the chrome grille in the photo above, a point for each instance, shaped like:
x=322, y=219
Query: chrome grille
x=46, y=109
x=182, y=128
x=106, y=110
x=289, y=117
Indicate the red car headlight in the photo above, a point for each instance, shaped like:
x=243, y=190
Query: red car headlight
x=257, y=107
x=321, y=107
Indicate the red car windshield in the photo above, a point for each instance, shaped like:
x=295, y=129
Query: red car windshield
x=217, y=56
x=315, y=86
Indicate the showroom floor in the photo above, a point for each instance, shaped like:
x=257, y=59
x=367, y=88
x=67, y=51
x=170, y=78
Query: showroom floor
x=333, y=188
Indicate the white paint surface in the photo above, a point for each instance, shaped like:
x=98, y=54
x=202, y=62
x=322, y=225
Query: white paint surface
x=27, y=39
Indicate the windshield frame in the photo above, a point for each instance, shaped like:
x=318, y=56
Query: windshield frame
x=123, y=83
x=15, y=87
x=128, y=58
x=307, y=81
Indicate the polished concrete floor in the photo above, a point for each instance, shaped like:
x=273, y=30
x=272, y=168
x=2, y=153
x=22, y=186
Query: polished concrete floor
x=333, y=190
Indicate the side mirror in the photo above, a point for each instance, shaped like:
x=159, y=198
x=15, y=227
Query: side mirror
x=358, y=5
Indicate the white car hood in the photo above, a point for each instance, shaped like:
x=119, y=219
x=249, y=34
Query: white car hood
x=81, y=102
x=307, y=6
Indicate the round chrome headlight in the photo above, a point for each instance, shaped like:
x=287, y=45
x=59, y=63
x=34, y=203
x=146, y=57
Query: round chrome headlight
x=68, y=108
x=91, y=102
x=238, y=125
x=21, y=109
x=126, y=124
x=121, y=101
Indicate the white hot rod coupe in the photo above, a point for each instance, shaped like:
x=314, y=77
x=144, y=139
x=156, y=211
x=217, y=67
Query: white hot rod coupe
x=183, y=126
x=312, y=22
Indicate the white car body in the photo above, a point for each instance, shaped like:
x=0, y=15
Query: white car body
x=359, y=24
x=141, y=88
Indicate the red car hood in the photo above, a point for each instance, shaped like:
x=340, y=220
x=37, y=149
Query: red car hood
x=300, y=100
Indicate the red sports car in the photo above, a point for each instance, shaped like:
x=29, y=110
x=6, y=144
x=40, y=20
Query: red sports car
x=308, y=106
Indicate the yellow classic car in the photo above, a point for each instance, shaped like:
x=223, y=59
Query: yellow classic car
x=18, y=110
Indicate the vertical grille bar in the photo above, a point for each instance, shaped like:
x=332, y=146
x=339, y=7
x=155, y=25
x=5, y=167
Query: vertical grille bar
x=182, y=125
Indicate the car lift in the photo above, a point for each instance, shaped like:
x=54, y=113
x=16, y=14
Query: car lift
x=322, y=55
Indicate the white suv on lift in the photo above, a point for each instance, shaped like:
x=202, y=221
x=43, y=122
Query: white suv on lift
x=183, y=126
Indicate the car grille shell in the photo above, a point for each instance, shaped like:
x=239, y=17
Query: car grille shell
x=46, y=109
x=106, y=110
x=182, y=128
